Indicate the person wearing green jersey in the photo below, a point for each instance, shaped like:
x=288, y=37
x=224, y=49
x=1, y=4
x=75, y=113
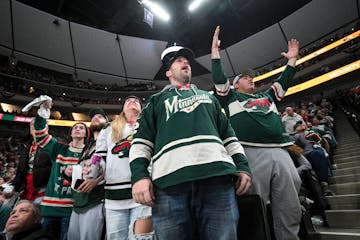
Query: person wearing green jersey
x=257, y=125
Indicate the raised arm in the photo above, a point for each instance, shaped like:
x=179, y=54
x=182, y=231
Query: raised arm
x=43, y=138
x=215, y=44
x=285, y=80
x=292, y=53
x=222, y=84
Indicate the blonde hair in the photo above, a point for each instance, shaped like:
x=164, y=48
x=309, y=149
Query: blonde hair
x=117, y=127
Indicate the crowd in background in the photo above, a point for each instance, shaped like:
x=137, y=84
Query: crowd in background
x=306, y=113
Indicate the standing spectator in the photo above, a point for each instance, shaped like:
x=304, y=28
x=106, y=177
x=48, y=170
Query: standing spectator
x=33, y=170
x=125, y=219
x=90, y=194
x=57, y=204
x=258, y=126
x=196, y=158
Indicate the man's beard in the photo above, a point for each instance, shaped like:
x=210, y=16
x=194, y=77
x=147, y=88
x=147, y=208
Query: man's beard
x=97, y=128
x=183, y=79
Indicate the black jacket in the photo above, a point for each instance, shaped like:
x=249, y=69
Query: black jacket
x=35, y=233
x=41, y=168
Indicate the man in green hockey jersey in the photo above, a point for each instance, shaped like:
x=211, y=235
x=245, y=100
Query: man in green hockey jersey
x=259, y=129
x=195, y=155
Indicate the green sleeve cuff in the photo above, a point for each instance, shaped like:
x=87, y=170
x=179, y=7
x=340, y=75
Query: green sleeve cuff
x=241, y=163
x=139, y=169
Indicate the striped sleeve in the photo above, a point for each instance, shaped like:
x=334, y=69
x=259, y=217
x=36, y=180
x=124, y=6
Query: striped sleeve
x=285, y=80
x=231, y=143
x=43, y=138
x=101, y=142
x=142, y=146
x=222, y=84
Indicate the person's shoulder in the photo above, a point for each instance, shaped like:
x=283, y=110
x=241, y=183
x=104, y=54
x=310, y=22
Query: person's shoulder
x=106, y=125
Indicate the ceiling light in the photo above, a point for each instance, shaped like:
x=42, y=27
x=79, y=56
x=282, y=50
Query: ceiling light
x=195, y=4
x=156, y=9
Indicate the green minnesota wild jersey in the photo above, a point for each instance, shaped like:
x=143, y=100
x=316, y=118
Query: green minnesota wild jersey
x=58, y=201
x=254, y=117
x=186, y=136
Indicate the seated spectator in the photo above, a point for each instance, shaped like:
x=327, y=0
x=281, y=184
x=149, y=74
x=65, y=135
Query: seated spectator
x=316, y=156
x=290, y=119
x=324, y=131
x=304, y=113
x=324, y=118
x=301, y=163
x=24, y=223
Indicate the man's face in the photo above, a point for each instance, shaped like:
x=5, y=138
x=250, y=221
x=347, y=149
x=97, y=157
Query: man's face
x=289, y=111
x=180, y=70
x=21, y=218
x=12, y=170
x=132, y=104
x=300, y=128
x=245, y=85
x=78, y=131
x=97, y=122
x=315, y=121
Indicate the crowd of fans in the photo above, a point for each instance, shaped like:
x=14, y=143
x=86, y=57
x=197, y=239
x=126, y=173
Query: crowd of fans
x=110, y=164
x=34, y=73
x=311, y=125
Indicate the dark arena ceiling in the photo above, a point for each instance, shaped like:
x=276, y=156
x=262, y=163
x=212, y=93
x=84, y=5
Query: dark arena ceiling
x=239, y=19
x=83, y=37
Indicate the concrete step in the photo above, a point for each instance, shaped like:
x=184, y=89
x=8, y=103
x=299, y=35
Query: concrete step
x=341, y=202
x=346, y=171
x=355, y=151
x=347, y=154
x=336, y=234
x=347, y=147
x=344, y=178
x=346, y=159
x=348, y=165
x=343, y=218
x=346, y=188
x=344, y=143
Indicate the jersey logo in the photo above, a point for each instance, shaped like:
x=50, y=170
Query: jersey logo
x=187, y=105
x=259, y=105
x=252, y=105
x=121, y=149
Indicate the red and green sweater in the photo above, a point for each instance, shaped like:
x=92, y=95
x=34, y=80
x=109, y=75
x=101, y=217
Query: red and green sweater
x=58, y=201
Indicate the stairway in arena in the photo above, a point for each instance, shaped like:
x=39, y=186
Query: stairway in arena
x=344, y=216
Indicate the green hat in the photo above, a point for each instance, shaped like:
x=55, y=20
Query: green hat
x=95, y=111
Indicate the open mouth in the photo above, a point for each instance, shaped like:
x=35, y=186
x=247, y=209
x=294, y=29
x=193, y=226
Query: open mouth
x=185, y=68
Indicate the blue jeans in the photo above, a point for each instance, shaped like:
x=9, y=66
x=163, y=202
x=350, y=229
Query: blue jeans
x=209, y=204
x=320, y=164
x=120, y=223
x=57, y=226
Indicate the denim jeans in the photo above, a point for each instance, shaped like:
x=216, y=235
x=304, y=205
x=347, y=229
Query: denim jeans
x=208, y=204
x=120, y=223
x=319, y=163
x=57, y=226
